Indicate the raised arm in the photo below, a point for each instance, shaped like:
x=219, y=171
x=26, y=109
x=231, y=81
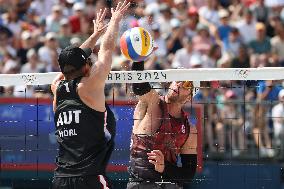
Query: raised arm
x=144, y=91
x=148, y=104
x=99, y=29
x=103, y=66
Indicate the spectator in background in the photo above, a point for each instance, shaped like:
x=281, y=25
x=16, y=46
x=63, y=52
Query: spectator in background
x=233, y=118
x=197, y=3
x=236, y=8
x=232, y=44
x=147, y=20
x=224, y=28
x=33, y=65
x=261, y=45
x=202, y=42
x=48, y=53
x=12, y=22
x=53, y=20
x=160, y=42
x=260, y=11
x=278, y=120
x=91, y=5
x=277, y=43
x=180, y=11
x=43, y=7
x=75, y=41
x=31, y=18
x=27, y=42
x=211, y=59
x=78, y=21
x=174, y=41
x=40, y=31
x=208, y=14
x=267, y=91
x=191, y=22
x=11, y=65
x=241, y=60
x=246, y=26
x=5, y=44
x=64, y=33
x=213, y=126
x=165, y=19
x=183, y=56
x=195, y=61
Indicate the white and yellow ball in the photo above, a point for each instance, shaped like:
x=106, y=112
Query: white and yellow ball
x=136, y=44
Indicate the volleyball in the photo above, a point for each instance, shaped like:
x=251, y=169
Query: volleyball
x=136, y=44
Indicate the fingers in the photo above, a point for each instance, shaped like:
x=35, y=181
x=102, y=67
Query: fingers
x=118, y=6
x=125, y=7
x=156, y=155
x=101, y=15
x=104, y=14
x=121, y=7
x=159, y=153
x=153, y=162
x=103, y=28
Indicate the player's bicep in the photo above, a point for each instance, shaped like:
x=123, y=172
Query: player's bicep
x=97, y=77
x=146, y=108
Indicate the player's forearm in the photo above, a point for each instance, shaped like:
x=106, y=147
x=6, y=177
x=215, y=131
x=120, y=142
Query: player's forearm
x=91, y=41
x=140, y=89
x=110, y=38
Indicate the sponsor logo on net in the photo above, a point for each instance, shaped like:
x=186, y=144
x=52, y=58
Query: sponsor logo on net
x=137, y=76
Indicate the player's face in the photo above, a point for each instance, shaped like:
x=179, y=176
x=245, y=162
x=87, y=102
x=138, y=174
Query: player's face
x=180, y=91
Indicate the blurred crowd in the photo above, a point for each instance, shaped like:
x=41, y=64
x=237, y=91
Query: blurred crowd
x=188, y=34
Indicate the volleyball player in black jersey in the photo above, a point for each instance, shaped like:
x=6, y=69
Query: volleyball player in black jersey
x=85, y=126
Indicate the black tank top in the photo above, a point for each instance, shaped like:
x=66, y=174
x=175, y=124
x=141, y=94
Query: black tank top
x=85, y=136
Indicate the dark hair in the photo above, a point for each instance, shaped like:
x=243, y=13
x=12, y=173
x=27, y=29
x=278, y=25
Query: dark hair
x=213, y=49
x=70, y=72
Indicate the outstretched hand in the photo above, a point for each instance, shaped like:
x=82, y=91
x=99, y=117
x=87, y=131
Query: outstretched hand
x=118, y=12
x=99, y=25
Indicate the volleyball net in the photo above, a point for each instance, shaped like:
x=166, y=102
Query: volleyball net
x=238, y=114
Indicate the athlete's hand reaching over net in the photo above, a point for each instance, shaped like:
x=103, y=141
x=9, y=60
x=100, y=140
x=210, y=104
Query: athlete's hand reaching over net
x=99, y=24
x=118, y=12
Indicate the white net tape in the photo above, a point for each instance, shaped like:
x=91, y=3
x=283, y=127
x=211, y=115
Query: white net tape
x=201, y=74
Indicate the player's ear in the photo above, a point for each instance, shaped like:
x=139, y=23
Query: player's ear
x=85, y=70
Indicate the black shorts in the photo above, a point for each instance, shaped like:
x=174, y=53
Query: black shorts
x=84, y=182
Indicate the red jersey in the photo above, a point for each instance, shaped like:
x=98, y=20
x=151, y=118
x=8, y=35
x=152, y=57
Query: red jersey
x=169, y=139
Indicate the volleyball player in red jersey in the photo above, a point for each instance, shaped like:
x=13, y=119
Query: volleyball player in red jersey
x=161, y=133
